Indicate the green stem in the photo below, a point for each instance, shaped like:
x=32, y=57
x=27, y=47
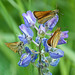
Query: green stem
x=39, y=69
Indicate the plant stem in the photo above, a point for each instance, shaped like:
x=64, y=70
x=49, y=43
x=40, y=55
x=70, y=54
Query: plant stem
x=35, y=43
x=48, y=34
x=39, y=69
x=36, y=28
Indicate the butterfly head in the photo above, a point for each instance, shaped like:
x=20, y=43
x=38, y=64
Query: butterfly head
x=55, y=11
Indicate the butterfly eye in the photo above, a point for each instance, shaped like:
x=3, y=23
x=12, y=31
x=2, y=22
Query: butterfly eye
x=20, y=44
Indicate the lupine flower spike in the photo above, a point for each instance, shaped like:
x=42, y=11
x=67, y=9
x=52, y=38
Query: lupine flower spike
x=48, y=54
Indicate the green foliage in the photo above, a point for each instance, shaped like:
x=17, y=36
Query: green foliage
x=11, y=17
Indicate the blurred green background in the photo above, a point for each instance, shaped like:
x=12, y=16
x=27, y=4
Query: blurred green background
x=11, y=17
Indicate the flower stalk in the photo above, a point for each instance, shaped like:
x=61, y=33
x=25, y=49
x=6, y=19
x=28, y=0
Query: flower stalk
x=49, y=45
x=35, y=43
x=39, y=69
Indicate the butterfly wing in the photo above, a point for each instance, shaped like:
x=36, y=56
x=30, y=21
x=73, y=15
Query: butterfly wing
x=45, y=19
x=53, y=41
x=56, y=39
x=13, y=46
x=41, y=14
x=44, y=16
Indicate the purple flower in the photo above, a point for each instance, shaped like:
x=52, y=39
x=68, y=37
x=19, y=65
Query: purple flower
x=52, y=22
x=45, y=71
x=37, y=40
x=23, y=38
x=34, y=57
x=56, y=54
x=64, y=34
x=49, y=73
x=26, y=30
x=54, y=62
x=41, y=31
x=29, y=18
x=28, y=50
x=45, y=61
x=61, y=41
x=44, y=41
x=42, y=28
x=24, y=60
x=26, y=22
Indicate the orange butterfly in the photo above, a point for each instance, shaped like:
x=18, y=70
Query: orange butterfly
x=53, y=41
x=44, y=16
x=16, y=46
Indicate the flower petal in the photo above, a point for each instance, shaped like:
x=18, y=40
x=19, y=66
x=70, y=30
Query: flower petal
x=26, y=30
x=26, y=22
x=42, y=28
x=49, y=73
x=24, y=60
x=28, y=50
x=37, y=40
x=64, y=34
x=41, y=31
x=57, y=54
x=44, y=41
x=52, y=22
x=61, y=41
x=30, y=17
x=54, y=62
x=23, y=38
x=34, y=57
